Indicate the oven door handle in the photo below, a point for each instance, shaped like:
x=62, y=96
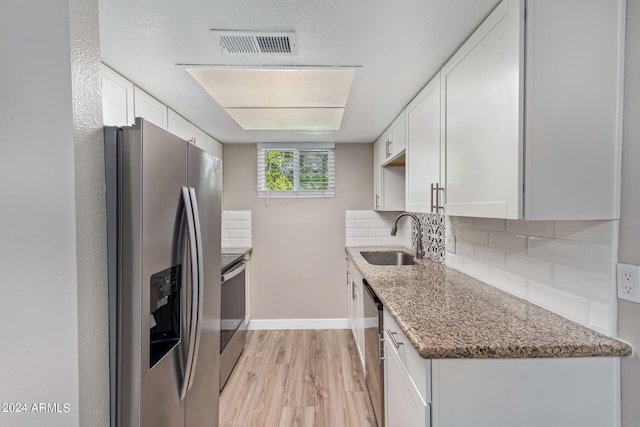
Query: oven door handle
x=233, y=273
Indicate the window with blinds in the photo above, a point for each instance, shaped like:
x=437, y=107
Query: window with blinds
x=296, y=170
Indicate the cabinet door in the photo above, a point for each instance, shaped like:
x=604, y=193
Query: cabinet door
x=423, y=147
x=403, y=405
x=150, y=108
x=117, y=98
x=212, y=146
x=178, y=125
x=482, y=107
x=397, y=136
x=359, y=317
x=196, y=136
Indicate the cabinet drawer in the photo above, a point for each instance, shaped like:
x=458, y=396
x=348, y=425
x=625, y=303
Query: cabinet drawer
x=418, y=368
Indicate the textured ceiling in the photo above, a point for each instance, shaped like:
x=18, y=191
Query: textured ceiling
x=397, y=45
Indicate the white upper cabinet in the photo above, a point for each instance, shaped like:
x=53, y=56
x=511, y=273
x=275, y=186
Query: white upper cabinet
x=395, y=139
x=531, y=113
x=149, y=108
x=117, y=98
x=423, y=148
x=184, y=129
x=388, y=181
x=178, y=125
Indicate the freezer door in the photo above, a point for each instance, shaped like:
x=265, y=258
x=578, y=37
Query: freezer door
x=204, y=175
x=154, y=287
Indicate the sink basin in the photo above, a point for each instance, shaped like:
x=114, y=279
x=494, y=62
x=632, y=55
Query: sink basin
x=388, y=258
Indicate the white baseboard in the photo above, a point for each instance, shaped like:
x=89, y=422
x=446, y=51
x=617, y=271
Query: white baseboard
x=274, y=324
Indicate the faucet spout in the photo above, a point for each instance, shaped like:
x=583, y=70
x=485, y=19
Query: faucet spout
x=394, y=230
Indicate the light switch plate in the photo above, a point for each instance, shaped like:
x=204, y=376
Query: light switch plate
x=628, y=282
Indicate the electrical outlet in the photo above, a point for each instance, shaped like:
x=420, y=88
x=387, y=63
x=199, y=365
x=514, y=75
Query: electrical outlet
x=628, y=282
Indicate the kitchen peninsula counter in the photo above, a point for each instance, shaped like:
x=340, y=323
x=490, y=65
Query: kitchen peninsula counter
x=447, y=314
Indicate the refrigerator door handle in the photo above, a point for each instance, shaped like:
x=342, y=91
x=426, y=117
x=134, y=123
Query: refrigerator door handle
x=186, y=199
x=200, y=287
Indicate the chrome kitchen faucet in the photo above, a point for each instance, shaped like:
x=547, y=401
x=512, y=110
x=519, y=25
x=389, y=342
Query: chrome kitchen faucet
x=394, y=230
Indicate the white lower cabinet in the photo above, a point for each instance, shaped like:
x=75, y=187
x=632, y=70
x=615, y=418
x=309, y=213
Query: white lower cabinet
x=574, y=391
x=355, y=304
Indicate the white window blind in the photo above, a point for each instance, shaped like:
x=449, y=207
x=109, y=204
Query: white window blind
x=296, y=170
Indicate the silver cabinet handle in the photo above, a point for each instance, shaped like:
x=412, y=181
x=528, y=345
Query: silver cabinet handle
x=377, y=201
x=381, y=356
x=394, y=341
x=435, y=197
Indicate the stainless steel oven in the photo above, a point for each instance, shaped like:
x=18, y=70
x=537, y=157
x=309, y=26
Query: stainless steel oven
x=232, y=313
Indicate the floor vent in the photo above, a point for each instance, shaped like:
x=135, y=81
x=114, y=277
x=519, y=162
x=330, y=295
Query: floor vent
x=256, y=43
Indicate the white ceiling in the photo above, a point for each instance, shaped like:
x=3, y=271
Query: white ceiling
x=396, y=45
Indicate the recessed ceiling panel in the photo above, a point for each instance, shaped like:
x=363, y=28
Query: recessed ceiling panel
x=317, y=119
x=282, y=88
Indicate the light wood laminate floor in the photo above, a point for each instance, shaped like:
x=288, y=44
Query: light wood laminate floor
x=297, y=378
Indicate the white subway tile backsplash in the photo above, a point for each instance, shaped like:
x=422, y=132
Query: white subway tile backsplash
x=600, y=315
x=586, y=231
x=236, y=229
x=558, y=251
x=491, y=257
x=582, y=282
x=368, y=223
x=369, y=241
x=455, y=261
x=239, y=234
x=600, y=258
x=357, y=232
x=371, y=228
x=531, y=228
x=513, y=243
x=231, y=225
x=530, y=268
x=476, y=269
x=491, y=224
x=237, y=215
x=358, y=214
x=463, y=221
x=473, y=235
x=508, y=282
x=465, y=249
x=564, y=303
x=232, y=243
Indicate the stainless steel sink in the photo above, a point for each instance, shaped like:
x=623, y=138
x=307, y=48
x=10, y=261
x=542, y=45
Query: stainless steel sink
x=388, y=258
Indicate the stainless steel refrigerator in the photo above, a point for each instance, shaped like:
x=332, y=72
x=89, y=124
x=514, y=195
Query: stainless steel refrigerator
x=163, y=225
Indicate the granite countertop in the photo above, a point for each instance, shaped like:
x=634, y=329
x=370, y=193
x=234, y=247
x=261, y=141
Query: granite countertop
x=447, y=314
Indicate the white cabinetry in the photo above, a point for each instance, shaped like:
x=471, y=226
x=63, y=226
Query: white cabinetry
x=184, y=129
x=423, y=149
x=494, y=392
x=117, y=98
x=396, y=138
x=388, y=181
x=149, y=108
x=530, y=113
x=407, y=380
x=355, y=306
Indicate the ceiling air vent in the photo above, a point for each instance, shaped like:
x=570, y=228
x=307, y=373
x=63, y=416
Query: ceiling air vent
x=256, y=42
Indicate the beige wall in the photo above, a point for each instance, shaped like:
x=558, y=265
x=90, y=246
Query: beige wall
x=629, y=249
x=298, y=267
